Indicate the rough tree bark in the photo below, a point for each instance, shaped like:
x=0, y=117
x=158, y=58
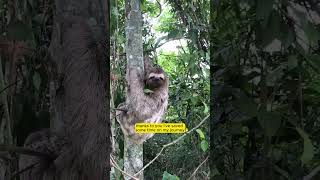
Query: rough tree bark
x=5, y=129
x=133, y=153
x=78, y=141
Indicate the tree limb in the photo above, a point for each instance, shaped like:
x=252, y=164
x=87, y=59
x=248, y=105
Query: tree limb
x=172, y=143
x=195, y=171
x=114, y=164
x=16, y=174
x=314, y=172
x=22, y=150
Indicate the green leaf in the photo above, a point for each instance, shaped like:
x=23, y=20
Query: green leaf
x=168, y=176
x=36, y=80
x=277, y=154
x=311, y=32
x=114, y=11
x=206, y=108
x=274, y=24
x=204, y=145
x=314, y=61
x=292, y=62
x=267, y=32
x=192, y=7
x=308, y=150
x=201, y=134
x=246, y=105
x=173, y=34
x=270, y=122
x=290, y=36
x=284, y=29
x=147, y=91
x=264, y=8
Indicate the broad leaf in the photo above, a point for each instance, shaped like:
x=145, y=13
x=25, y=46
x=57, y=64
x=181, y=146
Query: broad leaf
x=168, y=176
x=270, y=122
x=274, y=24
x=292, y=62
x=287, y=34
x=314, y=61
x=246, y=105
x=267, y=32
x=308, y=150
x=204, y=145
x=147, y=91
x=311, y=32
x=264, y=9
x=206, y=108
x=201, y=134
x=289, y=39
x=175, y=33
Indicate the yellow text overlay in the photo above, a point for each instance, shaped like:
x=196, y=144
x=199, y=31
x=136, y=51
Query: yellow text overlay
x=141, y=128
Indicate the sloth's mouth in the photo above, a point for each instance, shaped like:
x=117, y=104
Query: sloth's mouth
x=154, y=85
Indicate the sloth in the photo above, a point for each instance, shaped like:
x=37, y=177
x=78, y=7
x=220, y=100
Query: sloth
x=142, y=106
x=78, y=146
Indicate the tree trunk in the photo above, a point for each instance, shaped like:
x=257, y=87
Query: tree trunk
x=78, y=142
x=133, y=153
x=5, y=129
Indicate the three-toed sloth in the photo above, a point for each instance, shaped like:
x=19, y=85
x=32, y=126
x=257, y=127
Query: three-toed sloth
x=142, y=106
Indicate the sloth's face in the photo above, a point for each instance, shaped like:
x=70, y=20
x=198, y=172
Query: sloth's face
x=155, y=81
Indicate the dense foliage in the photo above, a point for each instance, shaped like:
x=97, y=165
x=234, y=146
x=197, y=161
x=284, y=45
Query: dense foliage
x=265, y=71
x=187, y=67
x=264, y=92
x=24, y=40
